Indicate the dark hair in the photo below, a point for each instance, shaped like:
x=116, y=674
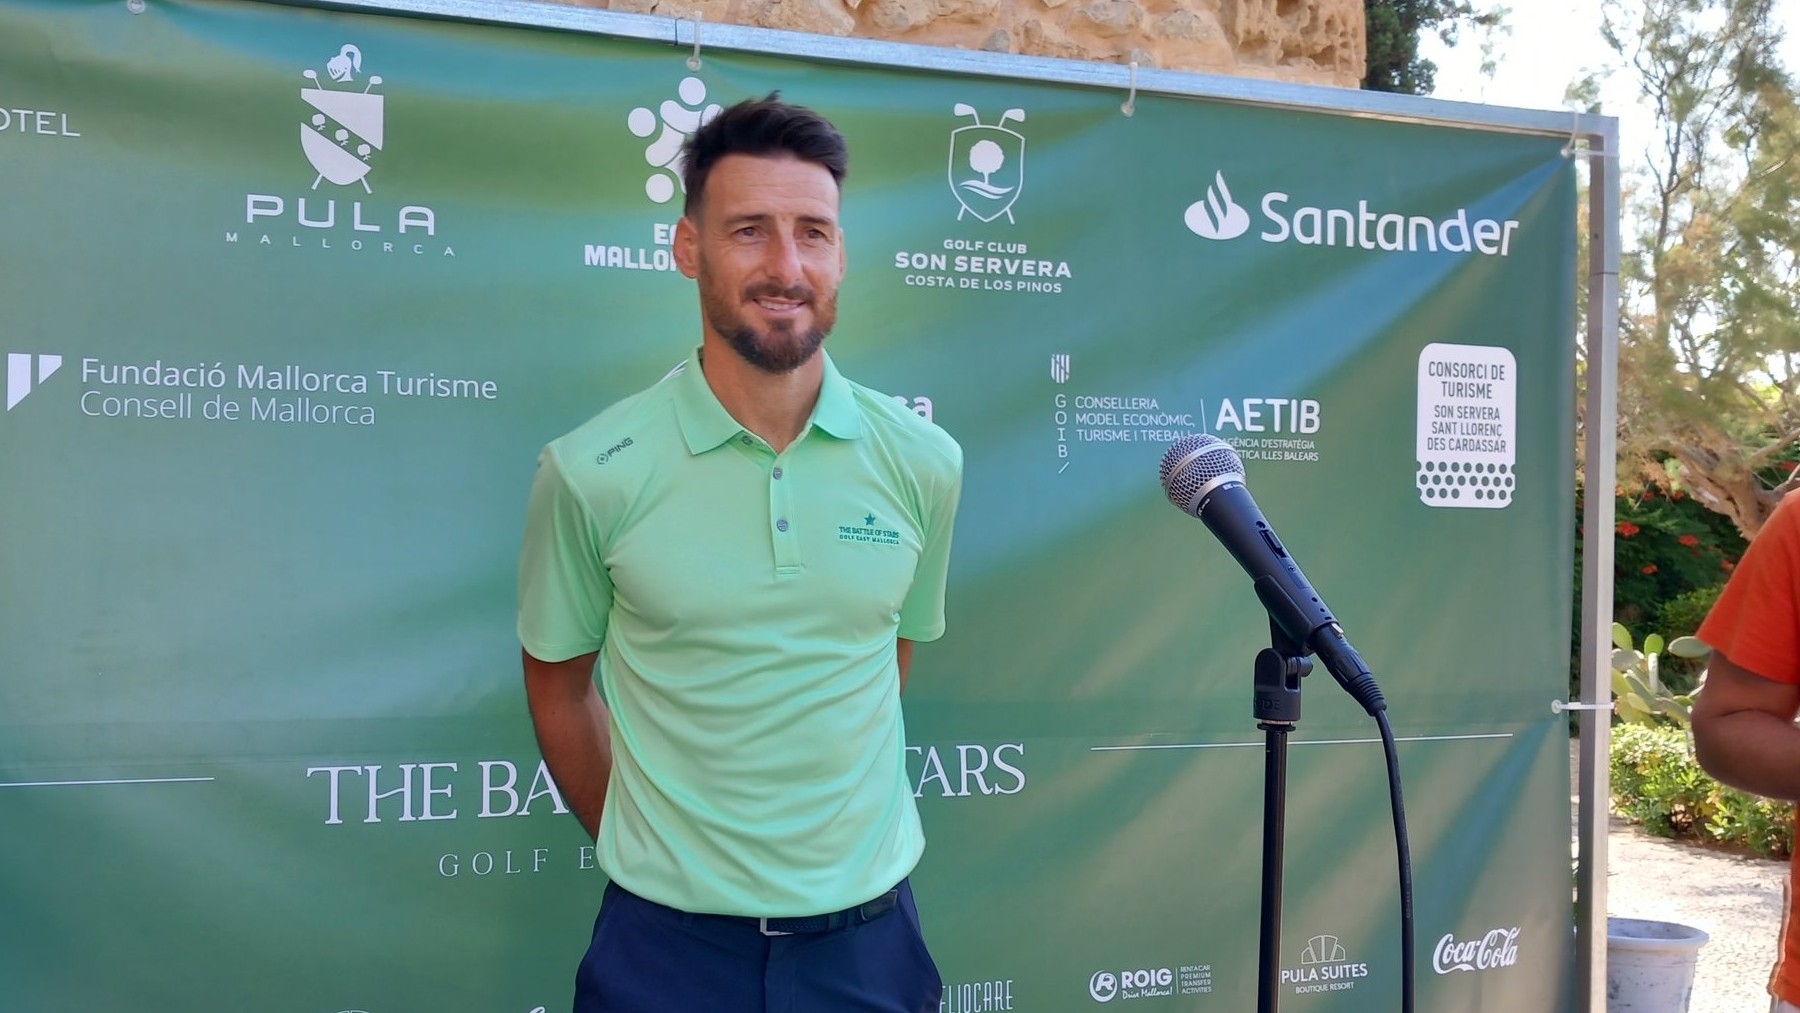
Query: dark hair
x=766, y=126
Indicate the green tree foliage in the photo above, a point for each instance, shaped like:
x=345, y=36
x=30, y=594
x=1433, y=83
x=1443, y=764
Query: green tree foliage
x=1393, y=30
x=1710, y=324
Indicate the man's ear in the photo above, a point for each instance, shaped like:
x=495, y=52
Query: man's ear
x=687, y=247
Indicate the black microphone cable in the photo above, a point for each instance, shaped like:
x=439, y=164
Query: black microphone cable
x=1193, y=469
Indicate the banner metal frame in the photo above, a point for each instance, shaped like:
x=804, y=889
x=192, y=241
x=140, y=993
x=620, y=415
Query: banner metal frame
x=1599, y=133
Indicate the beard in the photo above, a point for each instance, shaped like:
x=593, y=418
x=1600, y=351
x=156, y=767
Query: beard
x=780, y=347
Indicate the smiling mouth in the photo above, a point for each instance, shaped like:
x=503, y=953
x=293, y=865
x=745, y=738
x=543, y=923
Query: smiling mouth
x=781, y=307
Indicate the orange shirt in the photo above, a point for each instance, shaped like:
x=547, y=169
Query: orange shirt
x=1756, y=624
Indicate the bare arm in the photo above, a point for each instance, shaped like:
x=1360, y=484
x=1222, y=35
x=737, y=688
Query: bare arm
x=903, y=654
x=1744, y=732
x=572, y=732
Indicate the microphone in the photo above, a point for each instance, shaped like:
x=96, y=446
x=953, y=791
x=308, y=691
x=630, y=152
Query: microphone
x=1204, y=477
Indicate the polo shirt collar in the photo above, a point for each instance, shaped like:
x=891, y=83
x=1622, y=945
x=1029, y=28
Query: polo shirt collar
x=705, y=424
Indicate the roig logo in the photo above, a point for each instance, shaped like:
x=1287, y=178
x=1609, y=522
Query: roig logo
x=21, y=378
x=341, y=136
x=1141, y=983
x=987, y=165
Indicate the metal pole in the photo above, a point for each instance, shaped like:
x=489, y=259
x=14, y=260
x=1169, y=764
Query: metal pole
x=1602, y=419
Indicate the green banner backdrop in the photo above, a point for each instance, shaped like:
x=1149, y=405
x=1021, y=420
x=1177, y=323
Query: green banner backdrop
x=291, y=298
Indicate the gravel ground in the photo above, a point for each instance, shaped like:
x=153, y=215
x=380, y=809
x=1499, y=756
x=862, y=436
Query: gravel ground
x=1735, y=900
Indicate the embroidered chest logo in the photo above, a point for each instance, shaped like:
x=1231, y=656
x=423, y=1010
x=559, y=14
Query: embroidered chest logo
x=608, y=454
x=870, y=530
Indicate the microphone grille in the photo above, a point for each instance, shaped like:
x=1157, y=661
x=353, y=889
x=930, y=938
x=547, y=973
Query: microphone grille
x=1193, y=461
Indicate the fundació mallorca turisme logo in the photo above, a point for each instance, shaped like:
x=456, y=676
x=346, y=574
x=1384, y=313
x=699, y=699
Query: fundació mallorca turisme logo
x=987, y=165
x=21, y=378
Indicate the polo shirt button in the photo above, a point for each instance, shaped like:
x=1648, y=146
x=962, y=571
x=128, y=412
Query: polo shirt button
x=777, y=472
x=745, y=440
x=781, y=525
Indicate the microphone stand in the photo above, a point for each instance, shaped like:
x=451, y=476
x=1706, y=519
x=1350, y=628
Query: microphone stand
x=1279, y=669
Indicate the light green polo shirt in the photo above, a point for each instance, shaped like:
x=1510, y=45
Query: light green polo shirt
x=745, y=605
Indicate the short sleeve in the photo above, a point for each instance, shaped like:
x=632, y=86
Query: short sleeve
x=565, y=593
x=1755, y=622
x=922, y=613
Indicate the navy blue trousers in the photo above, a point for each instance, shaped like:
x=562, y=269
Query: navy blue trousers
x=648, y=958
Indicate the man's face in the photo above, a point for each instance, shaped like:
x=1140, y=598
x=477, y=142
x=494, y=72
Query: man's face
x=767, y=252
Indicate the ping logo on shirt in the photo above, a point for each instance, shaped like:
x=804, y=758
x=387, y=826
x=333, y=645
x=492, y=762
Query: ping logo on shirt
x=607, y=455
x=868, y=531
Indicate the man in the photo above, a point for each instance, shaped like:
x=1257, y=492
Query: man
x=749, y=550
x=1744, y=732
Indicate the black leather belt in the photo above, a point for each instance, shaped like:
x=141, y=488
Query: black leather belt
x=832, y=922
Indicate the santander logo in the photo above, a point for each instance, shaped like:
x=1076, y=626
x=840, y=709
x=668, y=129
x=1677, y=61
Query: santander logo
x=1217, y=216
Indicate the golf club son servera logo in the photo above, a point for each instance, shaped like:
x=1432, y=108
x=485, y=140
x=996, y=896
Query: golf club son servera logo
x=987, y=165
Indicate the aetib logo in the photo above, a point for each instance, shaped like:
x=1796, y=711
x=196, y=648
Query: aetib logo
x=21, y=378
x=1217, y=216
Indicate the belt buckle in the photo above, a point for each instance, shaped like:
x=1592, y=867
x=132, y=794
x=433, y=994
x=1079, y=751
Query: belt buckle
x=762, y=925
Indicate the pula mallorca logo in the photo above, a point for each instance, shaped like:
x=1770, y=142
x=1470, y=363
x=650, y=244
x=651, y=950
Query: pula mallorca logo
x=987, y=165
x=677, y=121
x=346, y=130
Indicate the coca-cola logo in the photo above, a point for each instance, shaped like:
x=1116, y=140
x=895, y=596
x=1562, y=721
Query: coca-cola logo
x=1499, y=948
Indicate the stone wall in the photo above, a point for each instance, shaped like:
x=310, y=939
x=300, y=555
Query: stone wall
x=1308, y=41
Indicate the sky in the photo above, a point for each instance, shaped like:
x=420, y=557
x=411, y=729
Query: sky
x=1552, y=43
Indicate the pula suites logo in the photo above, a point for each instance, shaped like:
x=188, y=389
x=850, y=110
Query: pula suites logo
x=21, y=377
x=987, y=165
x=346, y=130
x=671, y=123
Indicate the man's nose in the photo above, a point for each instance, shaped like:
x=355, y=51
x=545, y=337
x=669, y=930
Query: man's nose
x=782, y=260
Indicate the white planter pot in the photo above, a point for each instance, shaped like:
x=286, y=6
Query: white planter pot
x=1650, y=965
